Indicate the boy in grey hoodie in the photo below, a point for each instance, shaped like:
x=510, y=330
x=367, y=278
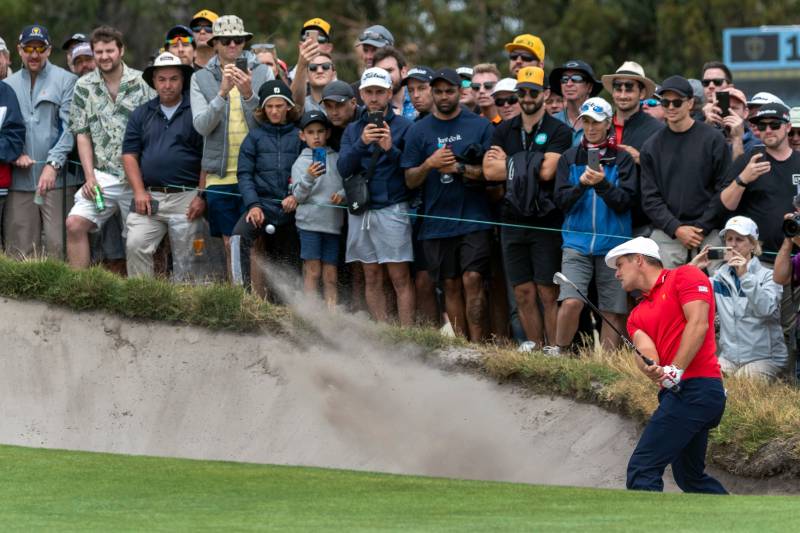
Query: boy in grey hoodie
x=316, y=186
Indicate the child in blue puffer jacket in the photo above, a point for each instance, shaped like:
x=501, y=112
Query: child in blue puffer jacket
x=264, y=171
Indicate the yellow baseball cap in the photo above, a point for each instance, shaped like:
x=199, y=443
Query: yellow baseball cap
x=318, y=23
x=205, y=14
x=529, y=42
x=530, y=78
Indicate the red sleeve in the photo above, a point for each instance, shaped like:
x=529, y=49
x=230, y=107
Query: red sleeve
x=633, y=324
x=691, y=285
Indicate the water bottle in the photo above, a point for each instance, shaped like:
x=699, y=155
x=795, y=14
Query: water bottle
x=445, y=178
x=99, y=201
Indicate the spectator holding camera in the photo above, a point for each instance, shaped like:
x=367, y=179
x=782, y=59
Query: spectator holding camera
x=748, y=302
x=762, y=183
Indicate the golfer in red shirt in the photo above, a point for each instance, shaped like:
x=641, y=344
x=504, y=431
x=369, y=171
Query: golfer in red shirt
x=673, y=325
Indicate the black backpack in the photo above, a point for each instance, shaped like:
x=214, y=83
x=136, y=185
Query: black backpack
x=524, y=197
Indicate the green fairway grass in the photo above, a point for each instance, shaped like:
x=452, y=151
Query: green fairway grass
x=66, y=491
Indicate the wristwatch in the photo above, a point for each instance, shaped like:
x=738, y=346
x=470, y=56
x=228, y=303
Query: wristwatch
x=739, y=182
x=56, y=165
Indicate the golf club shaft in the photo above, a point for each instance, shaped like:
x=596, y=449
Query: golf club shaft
x=628, y=343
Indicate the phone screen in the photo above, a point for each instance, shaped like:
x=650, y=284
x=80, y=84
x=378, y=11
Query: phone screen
x=594, y=159
x=717, y=253
x=724, y=102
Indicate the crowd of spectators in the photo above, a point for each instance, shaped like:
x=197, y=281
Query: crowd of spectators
x=447, y=195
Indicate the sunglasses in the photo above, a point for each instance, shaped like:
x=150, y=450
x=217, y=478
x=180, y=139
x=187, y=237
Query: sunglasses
x=650, y=102
x=513, y=56
x=502, y=102
x=185, y=39
x=533, y=93
x=627, y=85
x=794, y=132
x=226, y=41
x=372, y=36
x=595, y=108
x=774, y=126
x=38, y=49
x=466, y=84
x=324, y=66
x=488, y=85
x=321, y=39
x=676, y=103
x=575, y=78
x=718, y=82
x=203, y=27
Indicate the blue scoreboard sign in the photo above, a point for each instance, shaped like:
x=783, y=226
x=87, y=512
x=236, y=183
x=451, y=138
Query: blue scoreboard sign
x=764, y=48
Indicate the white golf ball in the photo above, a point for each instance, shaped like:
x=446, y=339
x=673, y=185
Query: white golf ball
x=270, y=229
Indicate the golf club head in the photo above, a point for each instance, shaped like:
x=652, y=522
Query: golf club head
x=560, y=279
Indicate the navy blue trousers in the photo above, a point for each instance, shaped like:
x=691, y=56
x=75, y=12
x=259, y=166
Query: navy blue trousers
x=677, y=435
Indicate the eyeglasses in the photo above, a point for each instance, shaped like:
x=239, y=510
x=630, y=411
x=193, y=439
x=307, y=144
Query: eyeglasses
x=324, y=66
x=502, y=102
x=372, y=36
x=488, y=85
x=203, y=27
x=226, y=41
x=513, y=56
x=794, y=132
x=533, y=93
x=575, y=78
x=595, y=108
x=676, y=103
x=38, y=49
x=774, y=126
x=321, y=38
x=650, y=102
x=465, y=84
x=627, y=85
x=185, y=39
x=718, y=82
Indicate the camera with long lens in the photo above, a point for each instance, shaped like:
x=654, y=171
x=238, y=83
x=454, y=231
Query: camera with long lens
x=791, y=226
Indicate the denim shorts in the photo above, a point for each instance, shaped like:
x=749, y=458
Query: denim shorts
x=315, y=245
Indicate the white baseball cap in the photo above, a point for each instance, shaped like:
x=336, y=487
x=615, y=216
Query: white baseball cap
x=742, y=225
x=639, y=245
x=794, y=117
x=597, y=109
x=508, y=85
x=375, y=77
x=764, y=98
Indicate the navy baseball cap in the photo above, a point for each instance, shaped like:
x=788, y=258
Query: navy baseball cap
x=676, y=84
x=580, y=66
x=34, y=32
x=771, y=111
x=309, y=117
x=338, y=91
x=421, y=73
x=447, y=74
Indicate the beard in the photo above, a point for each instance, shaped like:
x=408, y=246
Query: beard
x=531, y=108
x=446, y=107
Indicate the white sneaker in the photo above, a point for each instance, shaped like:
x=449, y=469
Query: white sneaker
x=527, y=347
x=552, y=351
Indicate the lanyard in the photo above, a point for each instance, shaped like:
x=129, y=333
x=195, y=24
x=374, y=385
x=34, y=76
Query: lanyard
x=523, y=135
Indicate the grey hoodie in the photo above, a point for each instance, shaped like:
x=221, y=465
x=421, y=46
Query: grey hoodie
x=314, y=210
x=749, y=311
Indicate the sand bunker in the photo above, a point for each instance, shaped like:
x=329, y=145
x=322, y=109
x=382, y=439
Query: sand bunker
x=93, y=382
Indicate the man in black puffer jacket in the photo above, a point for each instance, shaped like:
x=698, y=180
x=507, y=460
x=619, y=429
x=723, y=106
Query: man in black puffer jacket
x=264, y=172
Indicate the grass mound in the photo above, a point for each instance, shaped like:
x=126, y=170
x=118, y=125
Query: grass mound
x=759, y=435
x=58, y=490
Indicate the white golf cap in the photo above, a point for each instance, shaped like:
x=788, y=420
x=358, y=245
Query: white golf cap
x=639, y=245
x=508, y=85
x=794, y=117
x=597, y=109
x=375, y=77
x=742, y=225
x=764, y=98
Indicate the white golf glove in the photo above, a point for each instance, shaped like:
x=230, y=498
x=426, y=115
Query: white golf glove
x=672, y=376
